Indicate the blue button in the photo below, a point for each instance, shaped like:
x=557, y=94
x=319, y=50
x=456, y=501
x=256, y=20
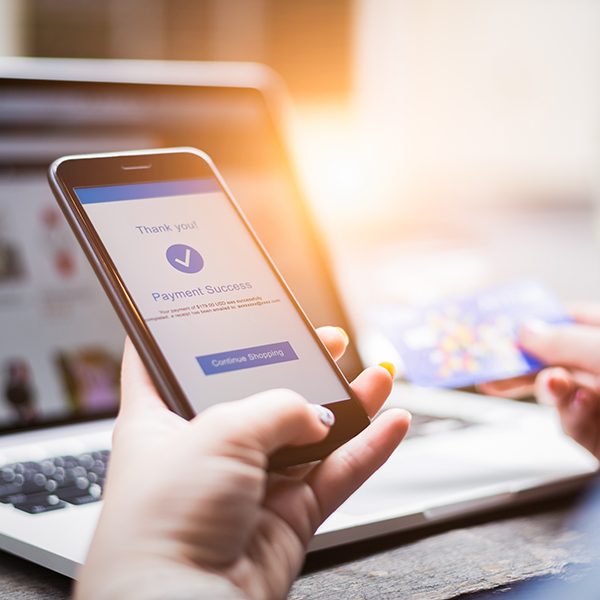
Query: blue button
x=246, y=358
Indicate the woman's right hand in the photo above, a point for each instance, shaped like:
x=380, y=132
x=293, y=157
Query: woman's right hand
x=571, y=381
x=191, y=509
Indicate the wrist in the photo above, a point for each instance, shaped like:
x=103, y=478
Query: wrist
x=155, y=580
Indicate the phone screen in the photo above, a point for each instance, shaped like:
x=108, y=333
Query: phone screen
x=216, y=308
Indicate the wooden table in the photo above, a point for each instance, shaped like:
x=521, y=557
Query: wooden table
x=459, y=560
x=462, y=559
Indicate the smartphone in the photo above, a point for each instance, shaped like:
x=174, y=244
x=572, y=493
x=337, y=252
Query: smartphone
x=206, y=308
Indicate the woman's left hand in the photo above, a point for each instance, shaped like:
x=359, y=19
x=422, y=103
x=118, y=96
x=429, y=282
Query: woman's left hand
x=571, y=381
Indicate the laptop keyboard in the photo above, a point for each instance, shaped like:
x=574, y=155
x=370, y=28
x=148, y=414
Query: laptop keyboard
x=38, y=487
x=53, y=483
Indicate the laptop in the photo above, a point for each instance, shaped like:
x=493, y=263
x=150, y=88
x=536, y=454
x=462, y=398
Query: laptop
x=61, y=342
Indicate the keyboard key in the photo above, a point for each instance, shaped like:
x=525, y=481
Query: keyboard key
x=68, y=461
x=48, y=467
x=76, y=472
x=86, y=461
x=7, y=475
x=39, y=503
x=82, y=483
x=38, y=487
x=40, y=480
x=77, y=496
x=99, y=467
x=35, y=481
x=16, y=498
x=7, y=489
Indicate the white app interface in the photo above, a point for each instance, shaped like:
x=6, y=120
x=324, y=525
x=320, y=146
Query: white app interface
x=216, y=309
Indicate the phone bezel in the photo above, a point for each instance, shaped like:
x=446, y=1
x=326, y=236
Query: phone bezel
x=170, y=164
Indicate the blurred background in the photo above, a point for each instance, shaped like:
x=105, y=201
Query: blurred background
x=445, y=145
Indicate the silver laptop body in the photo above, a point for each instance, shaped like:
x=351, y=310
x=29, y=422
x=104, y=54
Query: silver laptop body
x=61, y=342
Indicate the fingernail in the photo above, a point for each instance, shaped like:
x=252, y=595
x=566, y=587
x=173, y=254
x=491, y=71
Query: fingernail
x=558, y=386
x=534, y=327
x=580, y=398
x=389, y=367
x=325, y=415
x=344, y=335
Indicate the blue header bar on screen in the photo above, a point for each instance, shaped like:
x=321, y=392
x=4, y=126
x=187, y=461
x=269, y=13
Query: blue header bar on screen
x=140, y=191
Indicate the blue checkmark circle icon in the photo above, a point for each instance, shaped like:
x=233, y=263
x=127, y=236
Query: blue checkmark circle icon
x=184, y=258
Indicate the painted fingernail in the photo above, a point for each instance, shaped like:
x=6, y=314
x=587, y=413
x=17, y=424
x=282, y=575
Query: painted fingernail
x=389, y=367
x=325, y=415
x=580, y=398
x=344, y=335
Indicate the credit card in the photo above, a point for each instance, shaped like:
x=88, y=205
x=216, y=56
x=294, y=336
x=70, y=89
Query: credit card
x=469, y=340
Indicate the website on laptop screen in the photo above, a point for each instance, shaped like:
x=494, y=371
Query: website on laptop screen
x=61, y=341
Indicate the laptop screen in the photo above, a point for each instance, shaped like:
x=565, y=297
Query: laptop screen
x=61, y=342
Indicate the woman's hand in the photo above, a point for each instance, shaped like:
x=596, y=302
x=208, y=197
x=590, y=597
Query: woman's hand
x=572, y=381
x=189, y=508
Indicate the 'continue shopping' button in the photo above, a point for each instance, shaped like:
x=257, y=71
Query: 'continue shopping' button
x=246, y=358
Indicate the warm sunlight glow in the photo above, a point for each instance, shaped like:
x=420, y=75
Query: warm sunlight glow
x=334, y=165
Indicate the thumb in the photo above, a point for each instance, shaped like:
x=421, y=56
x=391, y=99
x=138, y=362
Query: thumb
x=576, y=346
x=555, y=387
x=264, y=423
x=586, y=313
x=137, y=390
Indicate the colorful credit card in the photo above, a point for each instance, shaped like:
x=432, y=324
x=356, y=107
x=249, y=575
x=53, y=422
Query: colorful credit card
x=469, y=340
